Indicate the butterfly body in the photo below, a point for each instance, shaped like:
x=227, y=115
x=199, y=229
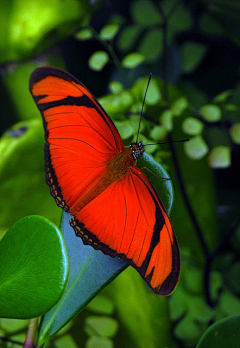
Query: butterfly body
x=94, y=177
x=116, y=169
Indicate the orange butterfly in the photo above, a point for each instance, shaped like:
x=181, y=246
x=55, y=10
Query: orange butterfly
x=95, y=178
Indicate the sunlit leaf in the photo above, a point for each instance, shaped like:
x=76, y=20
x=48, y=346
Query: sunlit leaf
x=101, y=304
x=84, y=34
x=98, y=60
x=220, y=157
x=235, y=133
x=166, y=119
x=179, y=105
x=196, y=148
x=158, y=133
x=109, y=31
x=99, y=342
x=211, y=113
x=133, y=60
x=102, y=326
x=192, y=126
x=115, y=87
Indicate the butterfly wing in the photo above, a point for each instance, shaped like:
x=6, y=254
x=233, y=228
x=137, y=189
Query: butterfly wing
x=80, y=137
x=129, y=220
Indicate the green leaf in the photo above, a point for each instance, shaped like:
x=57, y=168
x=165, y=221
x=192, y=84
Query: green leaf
x=132, y=60
x=158, y=133
x=98, y=60
x=227, y=13
x=102, y=326
x=145, y=13
x=196, y=148
x=220, y=157
x=99, y=342
x=224, y=333
x=151, y=45
x=210, y=25
x=28, y=27
x=101, y=304
x=125, y=129
x=178, y=106
x=33, y=268
x=192, y=126
x=166, y=119
x=128, y=37
x=235, y=133
x=154, y=94
x=84, y=34
x=91, y=270
x=21, y=149
x=109, y=31
x=115, y=87
x=145, y=325
x=192, y=54
x=211, y=113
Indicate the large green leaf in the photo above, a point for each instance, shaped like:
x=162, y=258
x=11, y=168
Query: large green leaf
x=91, y=270
x=224, y=333
x=23, y=190
x=33, y=268
x=28, y=27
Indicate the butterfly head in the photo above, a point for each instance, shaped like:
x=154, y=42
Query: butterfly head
x=137, y=150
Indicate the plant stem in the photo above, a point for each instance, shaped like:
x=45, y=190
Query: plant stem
x=31, y=333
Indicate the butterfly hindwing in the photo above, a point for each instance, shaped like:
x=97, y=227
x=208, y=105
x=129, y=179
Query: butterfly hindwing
x=129, y=220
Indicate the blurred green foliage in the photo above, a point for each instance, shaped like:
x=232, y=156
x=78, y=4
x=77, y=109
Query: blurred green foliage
x=192, y=48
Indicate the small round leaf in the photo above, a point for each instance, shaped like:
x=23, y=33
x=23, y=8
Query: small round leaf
x=109, y=31
x=196, y=148
x=98, y=60
x=103, y=326
x=166, y=119
x=33, y=268
x=211, y=113
x=192, y=54
x=220, y=157
x=192, y=126
x=84, y=34
x=115, y=87
x=235, y=133
x=145, y=13
x=132, y=60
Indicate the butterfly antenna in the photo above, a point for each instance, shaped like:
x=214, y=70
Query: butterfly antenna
x=141, y=114
x=167, y=142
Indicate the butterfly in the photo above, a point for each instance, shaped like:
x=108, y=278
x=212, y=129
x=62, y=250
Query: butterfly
x=93, y=176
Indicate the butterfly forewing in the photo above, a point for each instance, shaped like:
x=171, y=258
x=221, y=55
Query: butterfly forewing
x=119, y=214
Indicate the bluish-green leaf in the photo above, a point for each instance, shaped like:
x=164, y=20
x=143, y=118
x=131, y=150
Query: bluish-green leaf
x=91, y=270
x=33, y=268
